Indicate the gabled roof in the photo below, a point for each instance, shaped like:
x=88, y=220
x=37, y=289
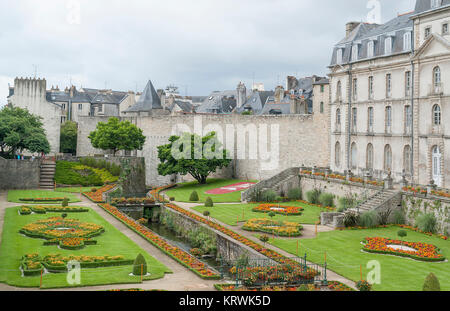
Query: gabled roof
x=276, y=108
x=184, y=106
x=428, y=41
x=148, y=101
x=423, y=6
x=256, y=101
x=219, y=102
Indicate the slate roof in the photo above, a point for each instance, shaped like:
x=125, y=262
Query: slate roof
x=219, y=102
x=148, y=101
x=184, y=106
x=92, y=96
x=425, y=5
x=276, y=108
x=256, y=101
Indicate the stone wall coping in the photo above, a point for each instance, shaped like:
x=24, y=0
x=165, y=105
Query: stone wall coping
x=344, y=182
x=426, y=197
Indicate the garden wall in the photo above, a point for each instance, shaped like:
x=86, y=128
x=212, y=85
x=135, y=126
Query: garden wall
x=414, y=205
x=19, y=174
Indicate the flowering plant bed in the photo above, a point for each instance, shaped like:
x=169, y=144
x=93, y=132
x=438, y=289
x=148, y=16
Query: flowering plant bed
x=279, y=209
x=332, y=286
x=41, y=199
x=155, y=192
x=280, y=228
x=27, y=210
x=32, y=264
x=176, y=253
x=132, y=201
x=395, y=225
x=415, y=190
x=440, y=194
x=418, y=251
x=97, y=196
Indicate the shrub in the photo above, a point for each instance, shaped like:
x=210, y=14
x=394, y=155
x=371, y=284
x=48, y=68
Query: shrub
x=264, y=238
x=271, y=214
x=364, y=286
x=172, y=198
x=303, y=288
x=140, y=265
x=209, y=202
x=295, y=194
x=351, y=218
x=93, y=190
x=194, y=196
x=64, y=216
x=431, y=284
x=65, y=202
x=399, y=217
x=426, y=222
x=345, y=203
x=326, y=199
x=402, y=233
x=368, y=219
x=268, y=196
x=206, y=213
x=313, y=196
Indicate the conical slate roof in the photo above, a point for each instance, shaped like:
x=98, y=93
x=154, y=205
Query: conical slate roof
x=149, y=100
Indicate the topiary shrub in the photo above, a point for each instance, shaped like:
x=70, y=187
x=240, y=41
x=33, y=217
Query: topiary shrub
x=368, y=219
x=194, y=196
x=268, y=196
x=264, y=238
x=140, y=265
x=206, y=213
x=93, y=190
x=399, y=217
x=172, y=198
x=426, y=222
x=402, y=233
x=313, y=196
x=65, y=202
x=209, y=202
x=351, y=218
x=295, y=194
x=431, y=284
x=326, y=199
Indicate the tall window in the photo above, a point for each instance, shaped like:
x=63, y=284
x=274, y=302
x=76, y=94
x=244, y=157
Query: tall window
x=371, y=87
x=408, y=83
x=388, y=117
x=369, y=157
x=321, y=107
x=339, y=56
x=354, y=119
x=370, y=120
x=407, y=41
x=338, y=120
x=437, y=76
x=322, y=89
x=445, y=29
x=355, y=50
x=370, y=49
x=388, y=85
x=388, y=45
x=427, y=32
x=354, y=156
x=435, y=3
x=80, y=106
x=387, y=158
x=337, y=154
x=355, y=89
x=408, y=119
x=339, y=91
x=436, y=115
x=407, y=156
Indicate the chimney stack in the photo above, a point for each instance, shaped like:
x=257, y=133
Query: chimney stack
x=349, y=27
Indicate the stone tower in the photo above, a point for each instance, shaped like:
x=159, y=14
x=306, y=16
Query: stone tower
x=241, y=95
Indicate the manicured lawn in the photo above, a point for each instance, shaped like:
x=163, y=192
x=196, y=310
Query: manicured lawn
x=76, y=189
x=184, y=190
x=229, y=213
x=344, y=256
x=16, y=195
x=111, y=242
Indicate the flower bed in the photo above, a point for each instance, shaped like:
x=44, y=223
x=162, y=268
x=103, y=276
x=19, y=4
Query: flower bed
x=176, y=253
x=332, y=286
x=118, y=202
x=443, y=194
x=423, y=251
x=97, y=196
x=280, y=228
x=41, y=199
x=395, y=225
x=27, y=210
x=279, y=209
x=415, y=190
x=32, y=264
x=155, y=192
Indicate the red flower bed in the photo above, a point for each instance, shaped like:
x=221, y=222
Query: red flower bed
x=279, y=209
x=176, y=253
x=97, y=196
x=423, y=251
x=416, y=190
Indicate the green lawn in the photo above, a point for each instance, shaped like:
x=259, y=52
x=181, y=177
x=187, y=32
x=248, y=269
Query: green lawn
x=15, y=195
x=344, y=256
x=229, y=213
x=76, y=189
x=112, y=242
x=184, y=190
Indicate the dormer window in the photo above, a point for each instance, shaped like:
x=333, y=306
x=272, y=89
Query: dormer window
x=370, y=49
x=339, y=56
x=435, y=3
x=388, y=45
x=355, y=50
x=407, y=41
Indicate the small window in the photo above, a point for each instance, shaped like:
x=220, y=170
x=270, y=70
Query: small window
x=388, y=119
x=445, y=29
x=322, y=88
x=388, y=45
x=437, y=76
x=339, y=56
x=408, y=83
x=427, y=32
x=355, y=50
x=370, y=49
x=354, y=119
x=80, y=106
x=338, y=119
x=355, y=89
x=370, y=120
x=407, y=41
x=388, y=85
x=64, y=106
x=321, y=107
x=371, y=87
x=437, y=115
x=100, y=108
x=63, y=119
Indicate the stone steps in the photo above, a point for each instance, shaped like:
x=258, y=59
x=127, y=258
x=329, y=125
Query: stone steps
x=376, y=201
x=47, y=175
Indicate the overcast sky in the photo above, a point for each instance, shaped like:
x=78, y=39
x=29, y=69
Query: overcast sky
x=199, y=45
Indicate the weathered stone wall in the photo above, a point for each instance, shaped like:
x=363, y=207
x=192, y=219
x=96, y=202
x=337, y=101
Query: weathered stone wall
x=416, y=205
x=298, y=140
x=15, y=174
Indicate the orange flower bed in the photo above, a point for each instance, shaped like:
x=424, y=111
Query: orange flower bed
x=155, y=193
x=422, y=251
x=417, y=190
x=176, y=253
x=279, y=209
x=97, y=196
x=440, y=193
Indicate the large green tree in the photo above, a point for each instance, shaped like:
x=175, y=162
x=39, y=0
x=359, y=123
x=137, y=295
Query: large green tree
x=68, y=138
x=117, y=135
x=20, y=130
x=194, y=155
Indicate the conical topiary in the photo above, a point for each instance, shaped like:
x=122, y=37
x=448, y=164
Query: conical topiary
x=140, y=265
x=194, y=196
x=431, y=284
x=65, y=202
x=209, y=202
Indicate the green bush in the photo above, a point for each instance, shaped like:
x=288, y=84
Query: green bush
x=264, y=238
x=426, y=222
x=368, y=219
x=209, y=202
x=65, y=174
x=364, y=286
x=65, y=202
x=399, y=217
x=431, y=284
x=402, y=233
x=194, y=196
x=140, y=265
x=172, y=198
x=313, y=196
x=206, y=213
x=326, y=199
x=295, y=194
x=112, y=168
x=351, y=219
x=268, y=196
x=345, y=203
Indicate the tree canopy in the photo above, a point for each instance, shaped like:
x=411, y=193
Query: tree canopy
x=20, y=130
x=194, y=155
x=68, y=138
x=117, y=135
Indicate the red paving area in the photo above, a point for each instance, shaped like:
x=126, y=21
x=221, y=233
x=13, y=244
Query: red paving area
x=231, y=188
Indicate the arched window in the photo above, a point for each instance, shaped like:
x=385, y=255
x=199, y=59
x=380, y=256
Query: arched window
x=387, y=158
x=407, y=157
x=369, y=157
x=437, y=76
x=354, y=156
x=436, y=115
x=337, y=154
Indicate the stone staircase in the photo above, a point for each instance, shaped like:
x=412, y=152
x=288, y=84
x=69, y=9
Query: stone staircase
x=47, y=175
x=378, y=201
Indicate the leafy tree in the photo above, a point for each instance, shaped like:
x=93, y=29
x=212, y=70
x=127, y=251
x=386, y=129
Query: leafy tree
x=20, y=130
x=117, y=135
x=194, y=155
x=68, y=138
